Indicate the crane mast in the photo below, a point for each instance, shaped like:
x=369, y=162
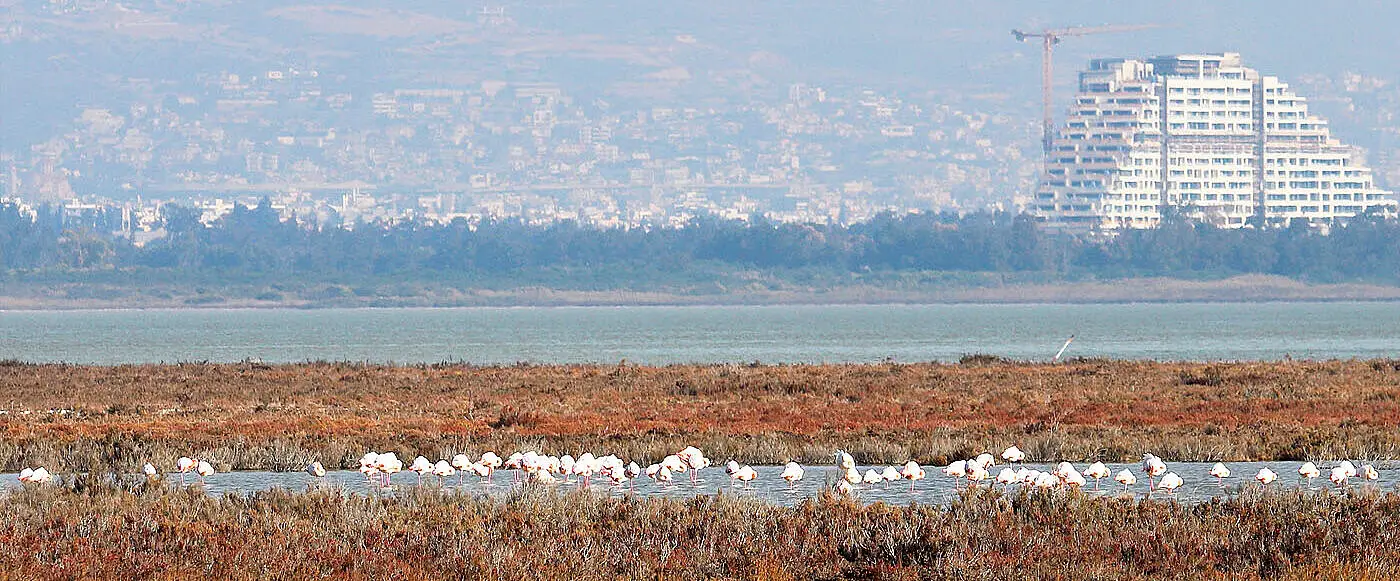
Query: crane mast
x=1049, y=38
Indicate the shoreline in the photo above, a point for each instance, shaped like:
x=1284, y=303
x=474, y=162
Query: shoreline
x=1236, y=290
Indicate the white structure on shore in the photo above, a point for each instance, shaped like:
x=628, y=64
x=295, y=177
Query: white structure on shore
x=1202, y=135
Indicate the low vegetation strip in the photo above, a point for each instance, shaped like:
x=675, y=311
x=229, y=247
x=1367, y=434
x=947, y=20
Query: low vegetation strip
x=91, y=529
x=280, y=417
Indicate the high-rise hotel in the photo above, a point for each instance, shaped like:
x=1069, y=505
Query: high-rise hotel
x=1198, y=134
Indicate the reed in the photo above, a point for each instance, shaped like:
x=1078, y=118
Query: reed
x=279, y=417
x=107, y=528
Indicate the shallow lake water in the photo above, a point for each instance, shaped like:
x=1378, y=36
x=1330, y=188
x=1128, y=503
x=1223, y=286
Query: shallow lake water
x=936, y=488
x=729, y=334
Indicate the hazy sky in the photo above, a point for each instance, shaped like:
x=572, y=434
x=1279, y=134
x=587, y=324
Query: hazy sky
x=914, y=44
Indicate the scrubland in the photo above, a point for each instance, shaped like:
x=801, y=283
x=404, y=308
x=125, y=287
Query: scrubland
x=91, y=528
x=279, y=417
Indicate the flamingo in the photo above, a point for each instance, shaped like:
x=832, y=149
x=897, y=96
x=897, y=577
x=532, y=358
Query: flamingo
x=1046, y=480
x=1348, y=468
x=184, y=465
x=1097, y=471
x=1369, y=472
x=388, y=464
x=663, y=475
x=892, y=474
x=463, y=464
x=1220, y=472
x=792, y=473
x=1266, y=476
x=843, y=487
x=1309, y=470
x=746, y=475
x=851, y=475
x=1154, y=467
x=618, y=474
x=844, y=460
x=677, y=466
x=872, y=477
x=695, y=460
x=566, y=466
x=1006, y=477
x=481, y=470
x=442, y=469
x=420, y=467
x=316, y=470
x=1073, y=478
x=976, y=472
x=1028, y=476
x=491, y=461
x=205, y=470
x=1170, y=483
x=957, y=469
x=1339, y=476
x=1126, y=478
x=913, y=473
x=149, y=470
x=369, y=467
x=986, y=461
x=1013, y=455
x=36, y=476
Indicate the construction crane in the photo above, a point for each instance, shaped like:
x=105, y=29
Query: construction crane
x=1050, y=38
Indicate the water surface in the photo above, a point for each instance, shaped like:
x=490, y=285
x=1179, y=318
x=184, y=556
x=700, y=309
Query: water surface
x=663, y=335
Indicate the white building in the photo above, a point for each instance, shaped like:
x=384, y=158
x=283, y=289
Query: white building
x=1198, y=134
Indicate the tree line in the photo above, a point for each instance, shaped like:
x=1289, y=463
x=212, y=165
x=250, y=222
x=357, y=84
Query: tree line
x=254, y=241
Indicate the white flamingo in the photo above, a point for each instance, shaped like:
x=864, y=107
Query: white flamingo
x=851, y=475
x=1220, y=472
x=792, y=473
x=1170, y=483
x=694, y=460
x=1126, y=478
x=1097, y=471
x=892, y=474
x=1338, y=476
x=1309, y=470
x=872, y=477
x=491, y=461
x=746, y=475
x=184, y=465
x=442, y=469
x=149, y=470
x=1369, y=472
x=1013, y=455
x=1266, y=476
x=913, y=473
x=316, y=470
x=421, y=466
x=204, y=470
x=1007, y=477
x=1154, y=467
x=463, y=464
x=957, y=469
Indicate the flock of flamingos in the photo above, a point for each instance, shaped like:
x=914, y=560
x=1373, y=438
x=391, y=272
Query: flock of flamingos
x=379, y=470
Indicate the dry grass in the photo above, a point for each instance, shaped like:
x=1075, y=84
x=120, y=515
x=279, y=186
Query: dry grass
x=88, y=530
x=254, y=416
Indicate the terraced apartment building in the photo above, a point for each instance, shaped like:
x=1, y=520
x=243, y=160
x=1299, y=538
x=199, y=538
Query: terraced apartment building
x=1199, y=134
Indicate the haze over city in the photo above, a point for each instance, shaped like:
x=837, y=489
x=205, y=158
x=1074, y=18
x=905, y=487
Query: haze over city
x=610, y=114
